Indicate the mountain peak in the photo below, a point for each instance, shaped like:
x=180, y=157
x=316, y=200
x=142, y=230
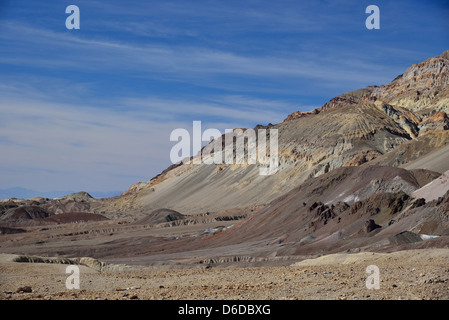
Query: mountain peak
x=82, y=195
x=422, y=88
x=444, y=55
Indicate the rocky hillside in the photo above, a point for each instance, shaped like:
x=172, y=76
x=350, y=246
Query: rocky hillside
x=422, y=88
x=393, y=124
x=354, y=208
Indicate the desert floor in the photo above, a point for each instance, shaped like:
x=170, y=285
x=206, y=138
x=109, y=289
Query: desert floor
x=412, y=274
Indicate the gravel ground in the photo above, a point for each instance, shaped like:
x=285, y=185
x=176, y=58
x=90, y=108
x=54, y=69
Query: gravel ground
x=416, y=274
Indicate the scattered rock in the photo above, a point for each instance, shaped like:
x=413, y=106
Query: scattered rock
x=398, y=203
x=26, y=289
x=418, y=203
x=370, y=225
x=405, y=237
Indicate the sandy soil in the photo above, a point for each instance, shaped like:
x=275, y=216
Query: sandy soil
x=414, y=274
x=436, y=161
x=433, y=190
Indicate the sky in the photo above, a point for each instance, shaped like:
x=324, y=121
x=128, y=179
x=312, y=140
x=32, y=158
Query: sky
x=92, y=108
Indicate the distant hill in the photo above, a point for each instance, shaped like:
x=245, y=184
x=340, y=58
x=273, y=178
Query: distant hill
x=23, y=193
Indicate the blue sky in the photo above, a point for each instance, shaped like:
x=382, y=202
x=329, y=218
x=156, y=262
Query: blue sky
x=92, y=109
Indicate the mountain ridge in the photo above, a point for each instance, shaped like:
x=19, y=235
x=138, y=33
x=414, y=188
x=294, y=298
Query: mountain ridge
x=352, y=129
x=348, y=179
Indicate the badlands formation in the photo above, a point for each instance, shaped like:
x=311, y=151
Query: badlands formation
x=362, y=180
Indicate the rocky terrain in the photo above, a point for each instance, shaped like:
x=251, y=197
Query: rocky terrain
x=365, y=173
x=405, y=275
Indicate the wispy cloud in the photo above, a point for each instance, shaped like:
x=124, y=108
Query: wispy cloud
x=133, y=139
x=182, y=63
x=74, y=139
x=234, y=110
